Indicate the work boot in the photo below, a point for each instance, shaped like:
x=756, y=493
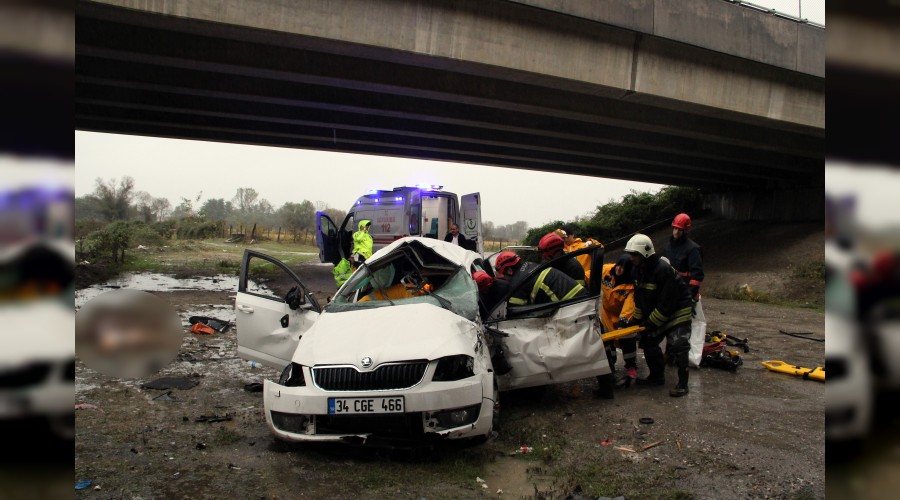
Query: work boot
x=681, y=388
x=606, y=384
x=678, y=391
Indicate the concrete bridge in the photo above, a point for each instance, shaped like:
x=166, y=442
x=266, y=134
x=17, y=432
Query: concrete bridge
x=688, y=92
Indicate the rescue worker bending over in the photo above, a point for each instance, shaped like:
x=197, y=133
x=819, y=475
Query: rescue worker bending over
x=572, y=244
x=617, y=310
x=549, y=285
x=362, y=243
x=663, y=307
x=551, y=247
x=488, y=291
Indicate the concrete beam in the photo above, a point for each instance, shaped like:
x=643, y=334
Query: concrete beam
x=711, y=24
x=553, y=48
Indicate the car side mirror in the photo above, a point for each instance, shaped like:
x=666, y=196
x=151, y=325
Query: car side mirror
x=295, y=298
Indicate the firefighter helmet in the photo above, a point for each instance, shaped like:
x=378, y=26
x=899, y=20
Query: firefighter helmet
x=640, y=244
x=550, y=244
x=483, y=280
x=505, y=260
x=682, y=221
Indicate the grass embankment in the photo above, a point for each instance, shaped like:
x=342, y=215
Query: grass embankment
x=211, y=256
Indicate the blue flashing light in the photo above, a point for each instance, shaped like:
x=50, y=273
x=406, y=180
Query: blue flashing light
x=429, y=187
x=376, y=200
x=358, y=202
x=398, y=198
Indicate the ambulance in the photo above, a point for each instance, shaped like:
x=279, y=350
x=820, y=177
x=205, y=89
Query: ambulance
x=421, y=210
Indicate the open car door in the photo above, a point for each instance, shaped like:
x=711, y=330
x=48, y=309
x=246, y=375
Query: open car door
x=471, y=221
x=273, y=310
x=327, y=239
x=551, y=343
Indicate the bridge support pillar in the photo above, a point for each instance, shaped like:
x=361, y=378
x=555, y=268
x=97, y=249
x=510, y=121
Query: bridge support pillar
x=784, y=205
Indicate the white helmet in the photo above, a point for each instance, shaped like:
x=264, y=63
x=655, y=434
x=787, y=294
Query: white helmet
x=640, y=244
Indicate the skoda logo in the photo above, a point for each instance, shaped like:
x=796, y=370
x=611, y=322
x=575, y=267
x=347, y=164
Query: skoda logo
x=366, y=362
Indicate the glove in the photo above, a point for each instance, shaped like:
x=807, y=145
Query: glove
x=624, y=323
x=695, y=293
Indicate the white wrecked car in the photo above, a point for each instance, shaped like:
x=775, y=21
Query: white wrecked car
x=405, y=348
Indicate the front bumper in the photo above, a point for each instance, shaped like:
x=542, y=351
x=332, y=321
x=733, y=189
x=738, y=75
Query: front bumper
x=301, y=413
x=849, y=401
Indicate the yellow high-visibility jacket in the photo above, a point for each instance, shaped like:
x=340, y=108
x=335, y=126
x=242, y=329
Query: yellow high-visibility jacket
x=584, y=260
x=618, y=299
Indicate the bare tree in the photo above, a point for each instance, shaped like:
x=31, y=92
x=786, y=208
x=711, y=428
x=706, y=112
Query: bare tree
x=115, y=199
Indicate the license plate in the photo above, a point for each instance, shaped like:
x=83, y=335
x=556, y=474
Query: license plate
x=348, y=406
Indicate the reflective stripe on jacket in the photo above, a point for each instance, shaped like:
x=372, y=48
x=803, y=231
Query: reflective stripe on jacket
x=549, y=285
x=661, y=291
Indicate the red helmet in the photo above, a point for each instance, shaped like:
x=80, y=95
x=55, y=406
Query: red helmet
x=483, y=280
x=682, y=221
x=550, y=244
x=505, y=260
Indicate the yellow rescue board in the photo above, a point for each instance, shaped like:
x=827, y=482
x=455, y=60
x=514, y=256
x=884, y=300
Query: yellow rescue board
x=622, y=332
x=817, y=373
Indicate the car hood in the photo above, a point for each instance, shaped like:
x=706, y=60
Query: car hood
x=397, y=333
x=38, y=330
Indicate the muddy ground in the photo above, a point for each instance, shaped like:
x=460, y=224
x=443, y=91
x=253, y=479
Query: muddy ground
x=748, y=434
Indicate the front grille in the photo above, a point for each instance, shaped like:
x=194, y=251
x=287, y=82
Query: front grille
x=30, y=374
x=386, y=377
x=407, y=425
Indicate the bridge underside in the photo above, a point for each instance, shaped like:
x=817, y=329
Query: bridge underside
x=147, y=74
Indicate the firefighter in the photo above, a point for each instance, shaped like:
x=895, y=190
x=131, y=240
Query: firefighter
x=686, y=257
x=551, y=247
x=573, y=243
x=618, y=308
x=362, y=243
x=549, y=285
x=663, y=307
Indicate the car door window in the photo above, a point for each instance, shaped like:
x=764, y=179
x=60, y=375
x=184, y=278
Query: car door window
x=270, y=279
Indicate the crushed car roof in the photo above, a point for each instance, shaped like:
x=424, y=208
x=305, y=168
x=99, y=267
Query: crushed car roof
x=449, y=251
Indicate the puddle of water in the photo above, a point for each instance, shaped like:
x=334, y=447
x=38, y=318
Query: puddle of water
x=511, y=475
x=155, y=282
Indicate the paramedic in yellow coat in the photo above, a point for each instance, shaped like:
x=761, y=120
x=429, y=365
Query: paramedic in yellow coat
x=573, y=244
x=618, y=307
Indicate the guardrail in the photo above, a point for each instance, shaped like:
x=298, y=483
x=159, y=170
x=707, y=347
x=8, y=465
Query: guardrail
x=775, y=13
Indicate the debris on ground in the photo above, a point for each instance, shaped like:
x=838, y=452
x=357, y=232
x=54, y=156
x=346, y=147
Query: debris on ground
x=254, y=387
x=218, y=325
x=166, y=396
x=638, y=450
x=83, y=484
x=233, y=467
x=646, y=420
x=165, y=383
x=605, y=442
x=201, y=329
x=200, y=446
x=213, y=418
x=88, y=406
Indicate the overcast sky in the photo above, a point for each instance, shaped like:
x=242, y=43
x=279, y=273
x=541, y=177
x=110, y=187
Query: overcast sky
x=174, y=168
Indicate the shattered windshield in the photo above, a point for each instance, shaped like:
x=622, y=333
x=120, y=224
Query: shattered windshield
x=409, y=276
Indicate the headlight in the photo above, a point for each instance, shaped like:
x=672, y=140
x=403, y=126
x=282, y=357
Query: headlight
x=292, y=376
x=451, y=368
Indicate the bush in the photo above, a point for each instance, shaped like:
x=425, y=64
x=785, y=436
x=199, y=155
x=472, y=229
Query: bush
x=635, y=212
x=193, y=228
